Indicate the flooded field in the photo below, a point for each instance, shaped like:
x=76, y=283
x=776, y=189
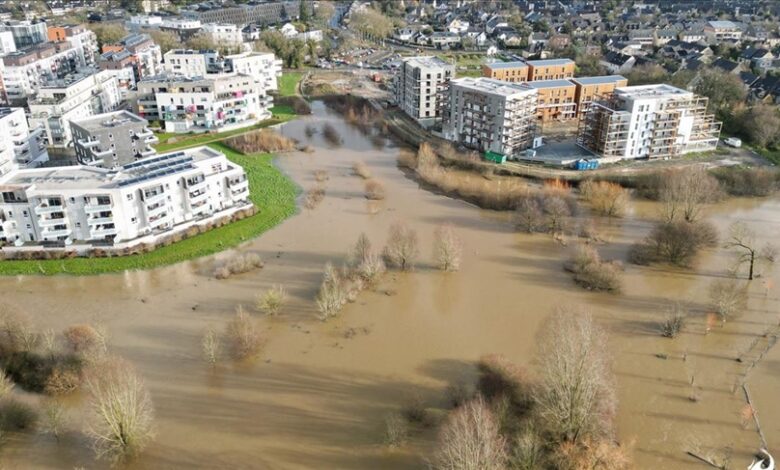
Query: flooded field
x=318, y=394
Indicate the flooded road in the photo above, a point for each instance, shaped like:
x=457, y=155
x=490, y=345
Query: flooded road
x=318, y=395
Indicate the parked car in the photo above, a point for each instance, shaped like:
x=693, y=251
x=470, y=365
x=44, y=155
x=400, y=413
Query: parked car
x=733, y=142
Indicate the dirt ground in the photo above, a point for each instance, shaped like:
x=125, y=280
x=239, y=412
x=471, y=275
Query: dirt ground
x=356, y=82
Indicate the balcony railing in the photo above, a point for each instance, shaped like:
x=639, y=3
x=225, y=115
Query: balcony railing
x=100, y=220
x=48, y=209
x=92, y=208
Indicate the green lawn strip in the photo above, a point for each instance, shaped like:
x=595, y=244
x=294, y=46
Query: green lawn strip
x=288, y=83
x=771, y=155
x=270, y=190
x=192, y=140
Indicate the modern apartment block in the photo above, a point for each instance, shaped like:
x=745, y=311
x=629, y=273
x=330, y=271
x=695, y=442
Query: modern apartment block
x=550, y=69
x=491, y=115
x=648, y=121
x=516, y=71
x=264, y=67
x=19, y=147
x=25, y=71
x=74, y=97
x=588, y=88
x=218, y=103
x=112, y=140
x=137, y=50
x=422, y=87
x=556, y=99
x=82, y=39
x=224, y=33
x=133, y=204
x=717, y=31
x=262, y=13
x=26, y=33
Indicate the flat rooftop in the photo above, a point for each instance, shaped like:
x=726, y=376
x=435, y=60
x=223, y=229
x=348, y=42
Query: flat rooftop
x=491, y=86
x=539, y=84
x=90, y=179
x=508, y=65
x=5, y=111
x=602, y=80
x=109, y=120
x=652, y=91
x=546, y=62
x=427, y=61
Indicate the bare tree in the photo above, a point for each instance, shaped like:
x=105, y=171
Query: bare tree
x=272, y=301
x=743, y=240
x=470, y=440
x=556, y=211
x=576, y=397
x=122, y=412
x=528, y=214
x=55, y=417
x=728, y=298
x=243, y=337
x=332, y=294
x=685, y=192
x=211, y=346
x=447, y=248
x=401, y=249
x=606, y=198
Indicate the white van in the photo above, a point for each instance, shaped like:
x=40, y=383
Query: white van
x=733, y=142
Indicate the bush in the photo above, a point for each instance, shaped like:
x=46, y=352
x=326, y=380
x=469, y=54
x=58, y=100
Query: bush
x=592, y=273
x=447, y=248
x=728, y=298
x=470, y=439
x=675, y=242
x=17, y=415
x=401, y=249
x=757, y=182
x=314, y=197
x=320, y=176
x=332, y=294
x=674, y=321
x=361, y=170
x=375, y=190
x=82, y=338
x=265, y=140
x=243, y=338
x=239, y=264
x=609, y=199
x=396, y=430
x=415, y=412
x=331, y=135
x=272, y=301
x=211, y=346
x=499, y=378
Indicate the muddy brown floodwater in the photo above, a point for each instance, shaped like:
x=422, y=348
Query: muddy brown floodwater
x=319, y=393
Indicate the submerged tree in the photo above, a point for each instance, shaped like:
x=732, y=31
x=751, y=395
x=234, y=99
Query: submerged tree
x=447, y=248
x=743, y=241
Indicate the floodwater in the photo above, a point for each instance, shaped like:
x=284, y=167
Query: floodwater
x=317, y=396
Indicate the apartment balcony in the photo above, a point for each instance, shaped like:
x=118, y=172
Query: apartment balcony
x=151, y=140
x=102, y=153
x=93, y=208
x=148, y=152
x=102, y=232
x=89, y=143
x=146, y=133
x=52, y=232
x=238, y=185
x=150, y=199
x=197, y=197
x=100, y=220
x=41, y=209
x=44, y=222
x=162, y=219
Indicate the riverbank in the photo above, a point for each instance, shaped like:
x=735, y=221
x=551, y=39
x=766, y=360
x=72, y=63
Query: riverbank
x=272, y=192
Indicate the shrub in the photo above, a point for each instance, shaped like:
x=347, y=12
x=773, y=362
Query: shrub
x=17, y=415
x=499, y=378
x=674, y=321
x=375, y=190
x=609, y=199
x=55, y=417
x=82, y=338
x=728, y=298
x=361, y=170
x=675, y=242
x=331, y=135
x=592, y=273
x=272, y=301
x=366, y=263
x=6, y=384
x=528, y=214
x=63, y=380
x=122, y=414
x=758, y=182
x=332, y=294
x=470, y=439
x=239, y=264
x=211, y=346
x=401, y=249
x=396, y=430
x=265, y=140
x=314, y=197
x=447, y=248
x=414, y=410
x=243, y=338
x=320, y=176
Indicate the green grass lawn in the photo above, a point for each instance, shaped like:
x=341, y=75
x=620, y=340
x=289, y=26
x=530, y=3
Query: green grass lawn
x=288, y=83
x=192, y=140
x=771, y=155
x=270, y=190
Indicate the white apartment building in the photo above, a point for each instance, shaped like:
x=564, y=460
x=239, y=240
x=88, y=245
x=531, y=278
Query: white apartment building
x=648, y=121
x=224, y=33
x=73, y=98
x=491, y=115
x=717, y=31
x=7, y=44
x=84, y=41
x=264, y=67
x=26, y=71
x=136, y=203
x=112, y=139
x=221, y=102
x=19, y=148
x=422, y=87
